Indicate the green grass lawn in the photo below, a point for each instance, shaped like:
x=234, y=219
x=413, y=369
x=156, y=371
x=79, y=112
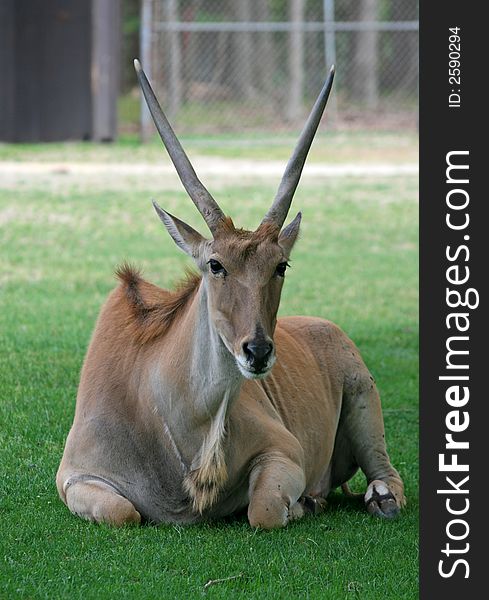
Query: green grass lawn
x=356, y=264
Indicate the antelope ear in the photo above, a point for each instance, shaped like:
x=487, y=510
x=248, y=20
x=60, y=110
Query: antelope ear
x=185, y=237
x=289, y=234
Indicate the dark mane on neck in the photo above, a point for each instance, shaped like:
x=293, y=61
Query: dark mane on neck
x=153, y=309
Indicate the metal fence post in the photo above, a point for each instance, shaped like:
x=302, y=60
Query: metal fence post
x=330, y=53
x=296, y=61
x=145, y=47
x=175, y=60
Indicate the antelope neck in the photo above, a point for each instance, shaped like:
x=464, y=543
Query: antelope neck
x=209, y=382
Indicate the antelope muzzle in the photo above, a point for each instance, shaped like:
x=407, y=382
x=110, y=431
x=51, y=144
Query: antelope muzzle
x=258, y=355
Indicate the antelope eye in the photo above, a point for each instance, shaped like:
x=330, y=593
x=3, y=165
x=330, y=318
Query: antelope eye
x=216, y=267
x=281, y=268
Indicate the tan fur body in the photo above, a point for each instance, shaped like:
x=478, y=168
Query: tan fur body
x=122, y=431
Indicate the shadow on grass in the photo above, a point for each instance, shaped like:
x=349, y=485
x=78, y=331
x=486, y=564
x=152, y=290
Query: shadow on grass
x=337, y=502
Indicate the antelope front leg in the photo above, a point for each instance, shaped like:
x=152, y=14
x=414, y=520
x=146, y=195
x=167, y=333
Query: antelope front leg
x=276, y=486
x=365, y=430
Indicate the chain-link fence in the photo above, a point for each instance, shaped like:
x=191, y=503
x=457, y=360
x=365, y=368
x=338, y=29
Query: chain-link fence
x=258, y=64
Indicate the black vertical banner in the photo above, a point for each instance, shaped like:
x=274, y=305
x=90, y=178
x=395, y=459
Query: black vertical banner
x=454, y=360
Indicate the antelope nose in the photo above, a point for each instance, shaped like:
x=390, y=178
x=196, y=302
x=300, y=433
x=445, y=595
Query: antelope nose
x=257, y=353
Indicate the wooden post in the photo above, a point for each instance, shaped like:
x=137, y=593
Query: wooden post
x=106, y=40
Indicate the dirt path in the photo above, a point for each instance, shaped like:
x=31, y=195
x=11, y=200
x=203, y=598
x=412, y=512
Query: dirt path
x=115, y=175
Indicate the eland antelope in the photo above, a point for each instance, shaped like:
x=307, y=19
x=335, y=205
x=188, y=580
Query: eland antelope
x=199, y=403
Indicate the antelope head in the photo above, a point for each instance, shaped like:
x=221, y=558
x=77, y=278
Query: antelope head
x=243, y=271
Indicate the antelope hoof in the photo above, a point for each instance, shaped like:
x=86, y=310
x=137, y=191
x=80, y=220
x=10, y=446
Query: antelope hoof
x=313, y=504
x=380, y=501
